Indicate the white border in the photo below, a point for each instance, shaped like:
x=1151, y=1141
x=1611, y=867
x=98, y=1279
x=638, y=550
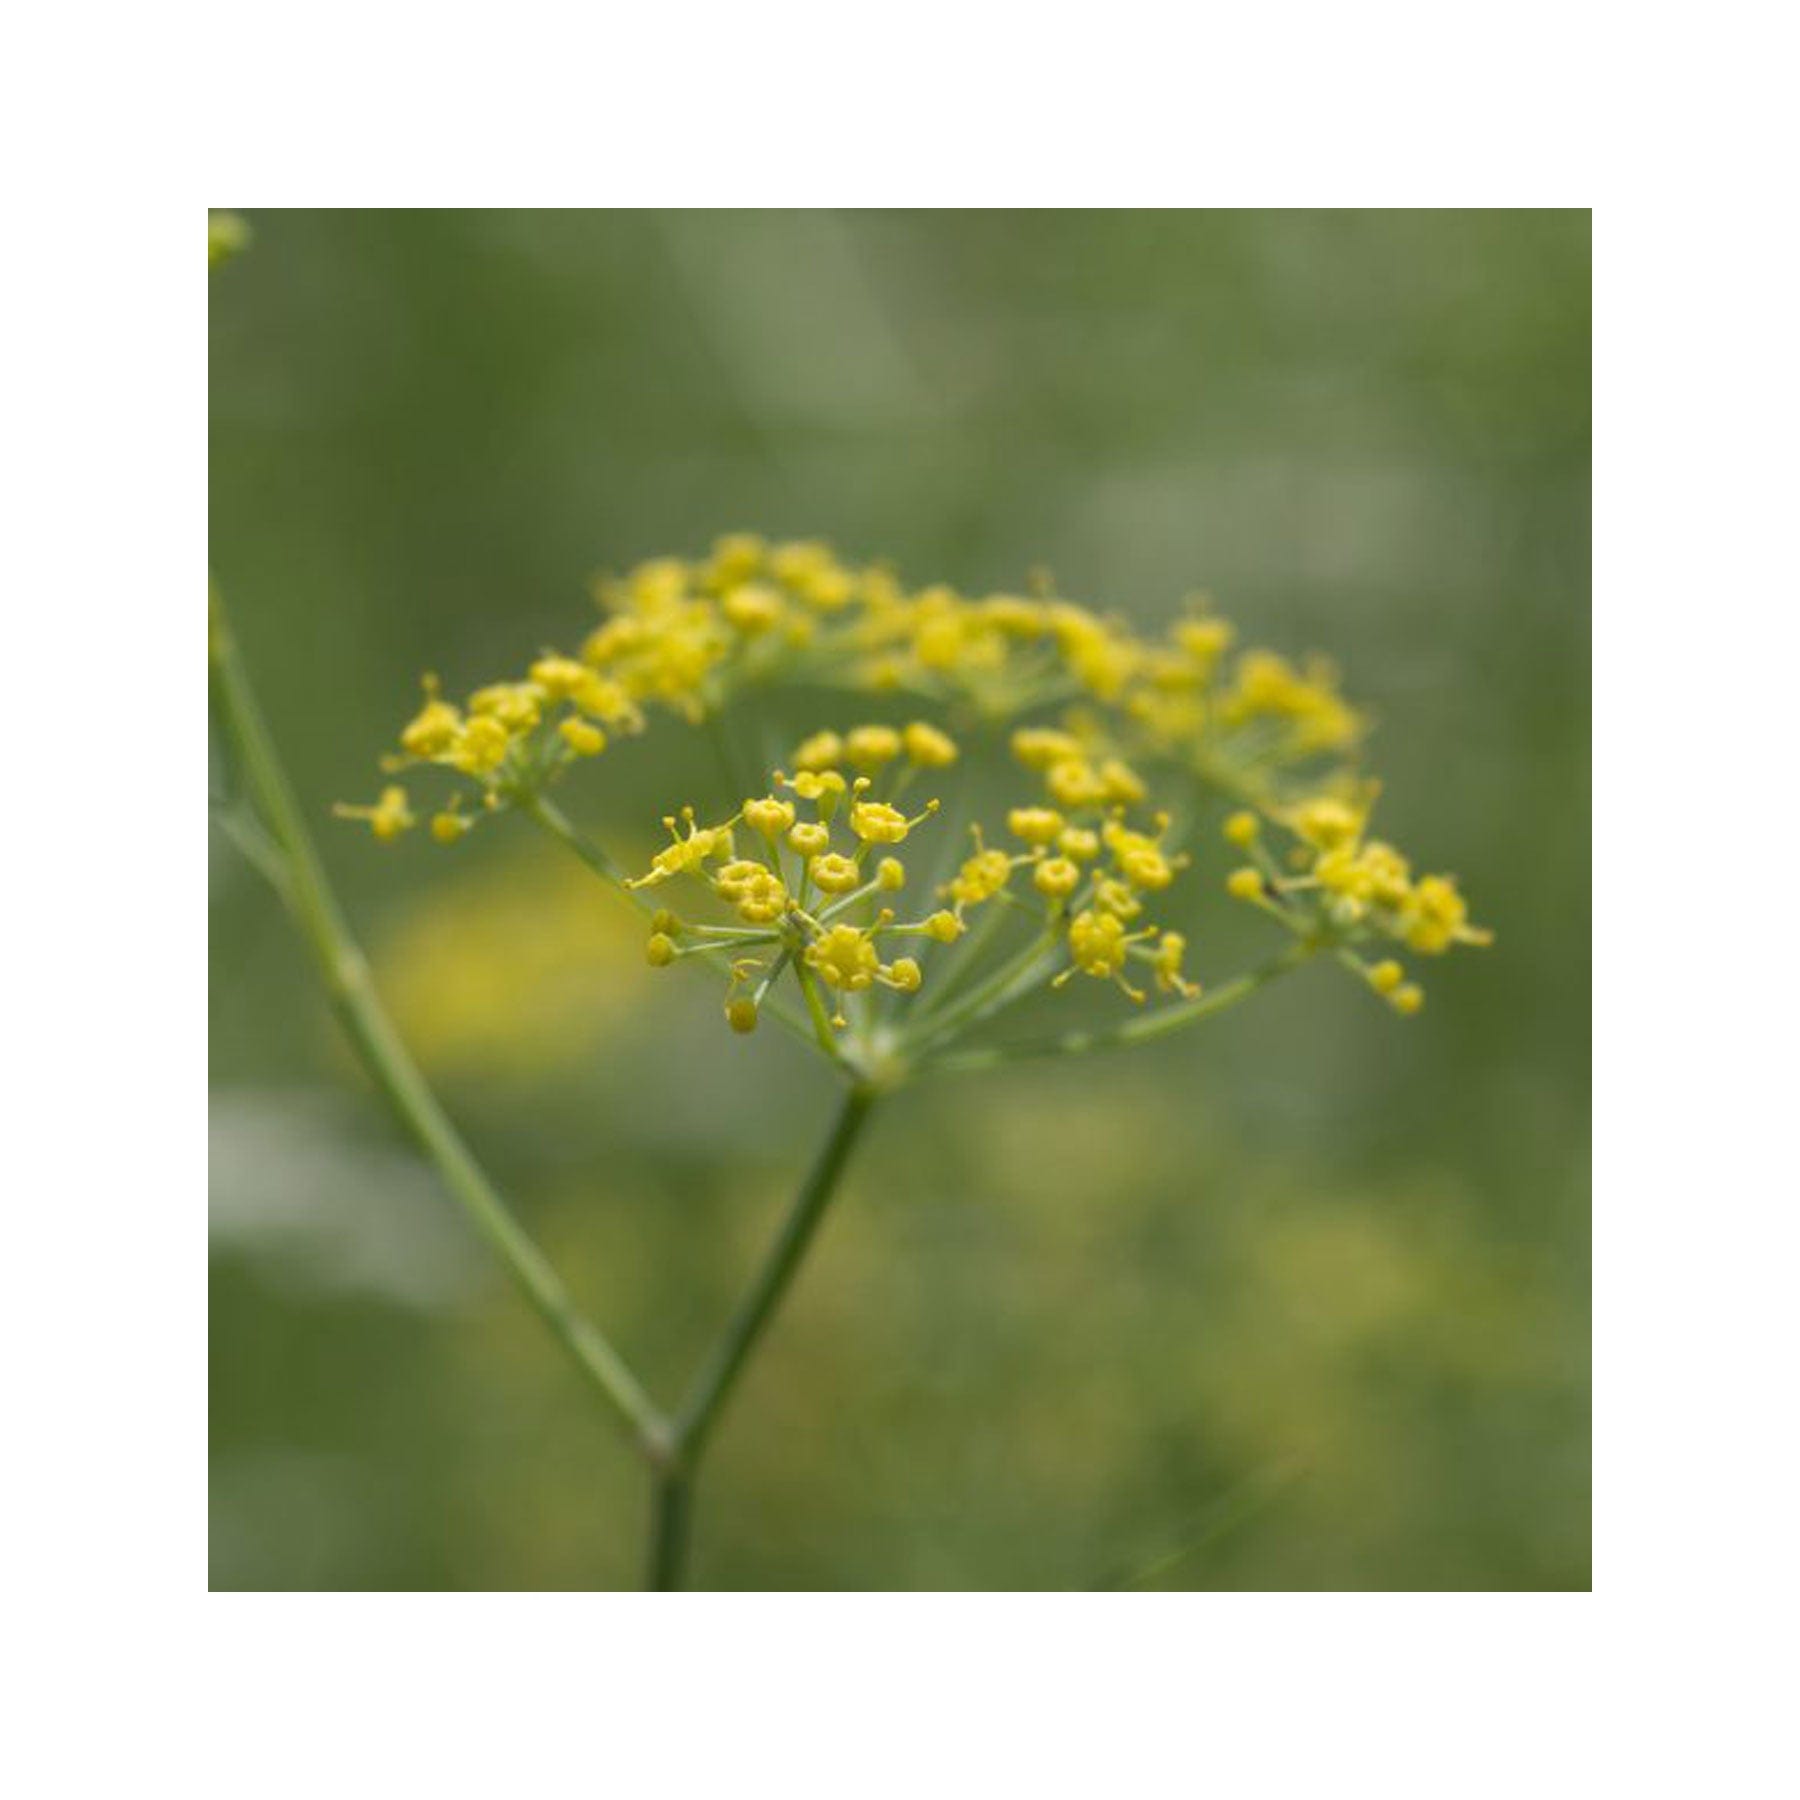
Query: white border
x=1667, y=1677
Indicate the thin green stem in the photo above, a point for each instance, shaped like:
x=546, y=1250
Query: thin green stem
x=345, y=972
x=553, y=819
x=821, y=1020
x=716, y=1380
x=671, y=1513
x=1140, y=1028
x=968, y=955
x=1010, y=981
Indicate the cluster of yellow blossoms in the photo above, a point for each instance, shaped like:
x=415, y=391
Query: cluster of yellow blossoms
x=1337, y=883
x=809, y=900
x=826, y=905
x=508, y=739
x=1093, y=703
x=686, y=635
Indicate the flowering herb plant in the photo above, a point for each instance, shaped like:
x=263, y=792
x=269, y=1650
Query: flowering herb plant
x=858, y=893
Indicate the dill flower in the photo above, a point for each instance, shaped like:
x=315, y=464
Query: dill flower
x=1143, y=718
x=387, y=818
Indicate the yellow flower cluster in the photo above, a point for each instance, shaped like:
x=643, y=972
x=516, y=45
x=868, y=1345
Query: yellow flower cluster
x=800, y=890
x=684, y=634
x=1337, y=883
x=1094, y=702
x=1088, y=863
x=508, y=739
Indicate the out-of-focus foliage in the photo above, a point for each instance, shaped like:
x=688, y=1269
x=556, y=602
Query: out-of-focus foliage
x=1297, y=1300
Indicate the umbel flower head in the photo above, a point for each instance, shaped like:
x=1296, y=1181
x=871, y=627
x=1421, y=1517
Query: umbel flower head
x=808, y=887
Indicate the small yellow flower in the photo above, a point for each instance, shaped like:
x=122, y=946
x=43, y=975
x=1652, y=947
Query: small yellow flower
x=770, y=815
x=518, y=705
x=928, y=747
x=1097, y=942
x=1056, y=877
x=1121, y=783
x=1034, y=824
x=1244, y=884
x=945, y=927
x=1441, y=918
x=903, y=975
x=819, y=751
x=561, y=677
x=1079, y=844
x=1385, y=977
x=835, y=874
x=1075, y=782
x=1326, y=823
x=809, y=837
x=659, y=952
x=608, y=702
x=736, y=557
x=872, y=746
x=479, y=747
x=432, y=730
x=761, y=898
x=581, y=737
x=844, y=958
x=890, y=873
x=981, y=877
x=1203, y=640
x=1140, y=858
x=686, y=853
x=752, y=607
x=740, y=1014
x=1171, y=947
x=1407, y=1000
x=447, y=827
x=1243, y=829
x=875, y=822
x=732, y=876
x=819, y=784
x=1098, y=945
x=1117, y=897
x=1040, y=747
x=387, y=818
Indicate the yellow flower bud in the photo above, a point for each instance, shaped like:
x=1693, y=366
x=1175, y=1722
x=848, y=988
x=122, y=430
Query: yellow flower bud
x=1244, y=884
x=875, y=822
x=769, y=815
x=752, y=607
x=1035, y=824
x=581, y=737
x=835, y=874
x=946, y=927
x=927, y=746
x=819, y=751
x=561, y=677
x=1242, y=829
x=869, y=746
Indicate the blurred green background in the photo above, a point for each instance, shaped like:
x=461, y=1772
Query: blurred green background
x=1298, y=1300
